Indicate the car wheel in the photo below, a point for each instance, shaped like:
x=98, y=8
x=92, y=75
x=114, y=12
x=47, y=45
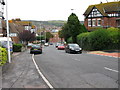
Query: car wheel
x=69, y=51
x=65, y=51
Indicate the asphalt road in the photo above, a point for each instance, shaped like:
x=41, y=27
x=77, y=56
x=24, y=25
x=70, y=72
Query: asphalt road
x=84, y=70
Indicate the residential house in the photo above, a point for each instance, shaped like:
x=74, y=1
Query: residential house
x=2, y=30
x=17, y=26
x=102, y=15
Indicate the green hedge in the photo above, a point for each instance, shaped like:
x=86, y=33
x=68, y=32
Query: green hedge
x=17, y=47
x=104, y=39
x=3, y=56
x=69, y=40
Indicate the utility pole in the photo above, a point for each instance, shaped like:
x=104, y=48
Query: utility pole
x=8, y=42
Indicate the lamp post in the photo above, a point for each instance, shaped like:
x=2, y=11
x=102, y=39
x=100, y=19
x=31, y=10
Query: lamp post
x=7, y=25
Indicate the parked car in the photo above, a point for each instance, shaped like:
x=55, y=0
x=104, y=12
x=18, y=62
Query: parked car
x=46, y=44
x=61, y=47
x=50, y=43
x=36, y=49
x=73, y=48
x=57, y=44
x=4, y=43
x=29, y=45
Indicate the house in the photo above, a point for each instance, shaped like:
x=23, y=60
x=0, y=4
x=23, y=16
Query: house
x=2, y=30
x=103, y=15
x=16, y=26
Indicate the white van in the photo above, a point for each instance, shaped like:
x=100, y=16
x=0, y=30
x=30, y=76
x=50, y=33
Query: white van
x=3, y=43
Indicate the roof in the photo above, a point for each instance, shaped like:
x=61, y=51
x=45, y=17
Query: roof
x=104, y=8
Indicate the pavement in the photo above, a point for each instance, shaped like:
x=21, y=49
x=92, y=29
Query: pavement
x=115, y=54
x=21, y=73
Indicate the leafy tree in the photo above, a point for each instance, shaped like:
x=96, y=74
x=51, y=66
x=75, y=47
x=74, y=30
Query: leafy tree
x=26, y=36
x=48, y=36
x=65, y=32
x=42, y=37
x=61, y=35
x=74, y=27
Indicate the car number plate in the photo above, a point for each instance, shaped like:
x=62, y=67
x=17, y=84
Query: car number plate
x=76, y=50
x=35, y=49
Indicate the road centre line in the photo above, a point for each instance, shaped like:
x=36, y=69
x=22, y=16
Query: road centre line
x=111, y=69
x=40, y=73
x=76, y=59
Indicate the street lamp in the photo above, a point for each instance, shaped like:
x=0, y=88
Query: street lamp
x=7, y=25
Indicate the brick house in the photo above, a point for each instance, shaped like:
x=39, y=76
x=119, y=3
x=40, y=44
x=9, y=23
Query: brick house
x=102, y=15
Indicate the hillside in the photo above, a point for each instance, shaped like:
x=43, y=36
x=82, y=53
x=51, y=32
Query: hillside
x=57, y=23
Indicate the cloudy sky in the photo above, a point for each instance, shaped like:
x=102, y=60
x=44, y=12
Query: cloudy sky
x=48, y=9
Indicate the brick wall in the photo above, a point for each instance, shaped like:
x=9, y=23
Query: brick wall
x=105, y=22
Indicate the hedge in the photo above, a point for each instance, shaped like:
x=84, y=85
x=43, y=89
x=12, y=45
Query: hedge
x=103, y=39
x=69, y=40
x=17, y=47
x=3, y=56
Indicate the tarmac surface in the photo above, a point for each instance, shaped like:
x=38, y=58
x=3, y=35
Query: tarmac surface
x=21, y=73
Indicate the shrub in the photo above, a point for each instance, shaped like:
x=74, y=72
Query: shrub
x=3, y=56
x=69, y=40
x=17, y=47
x=83, y=41
x=101, y=39
x=114, y=34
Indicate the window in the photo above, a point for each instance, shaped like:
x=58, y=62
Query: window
x=94, y=22
x=99, y=22
x=89, y=22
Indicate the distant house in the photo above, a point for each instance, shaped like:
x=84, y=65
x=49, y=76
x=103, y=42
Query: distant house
x=102, y=15
x=16, y=26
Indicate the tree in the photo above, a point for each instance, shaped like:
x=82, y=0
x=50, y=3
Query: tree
x=42, y=37
x=61, y=35
x=74, y=26
x=26, y=36
x=65, y=32
x=48, y=36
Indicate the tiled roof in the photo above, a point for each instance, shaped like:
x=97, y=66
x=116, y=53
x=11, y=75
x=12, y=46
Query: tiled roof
x=104, y=8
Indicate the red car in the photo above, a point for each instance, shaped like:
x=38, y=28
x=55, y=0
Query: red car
x=61, y=47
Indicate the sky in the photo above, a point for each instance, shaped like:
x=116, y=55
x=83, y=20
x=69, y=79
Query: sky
x=43, y=10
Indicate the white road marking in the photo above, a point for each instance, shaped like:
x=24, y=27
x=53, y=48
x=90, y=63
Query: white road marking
x=43, y=77
x=77, y=59
x=111, y=69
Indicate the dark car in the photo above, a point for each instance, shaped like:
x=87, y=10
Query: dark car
x=73, y=48
x=36, y=49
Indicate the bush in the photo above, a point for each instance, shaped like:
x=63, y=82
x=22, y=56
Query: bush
x=114, y=35
x=17, y=47
x=69, y=40
x=83, y=40
x=3, y=56
x=101, y=39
